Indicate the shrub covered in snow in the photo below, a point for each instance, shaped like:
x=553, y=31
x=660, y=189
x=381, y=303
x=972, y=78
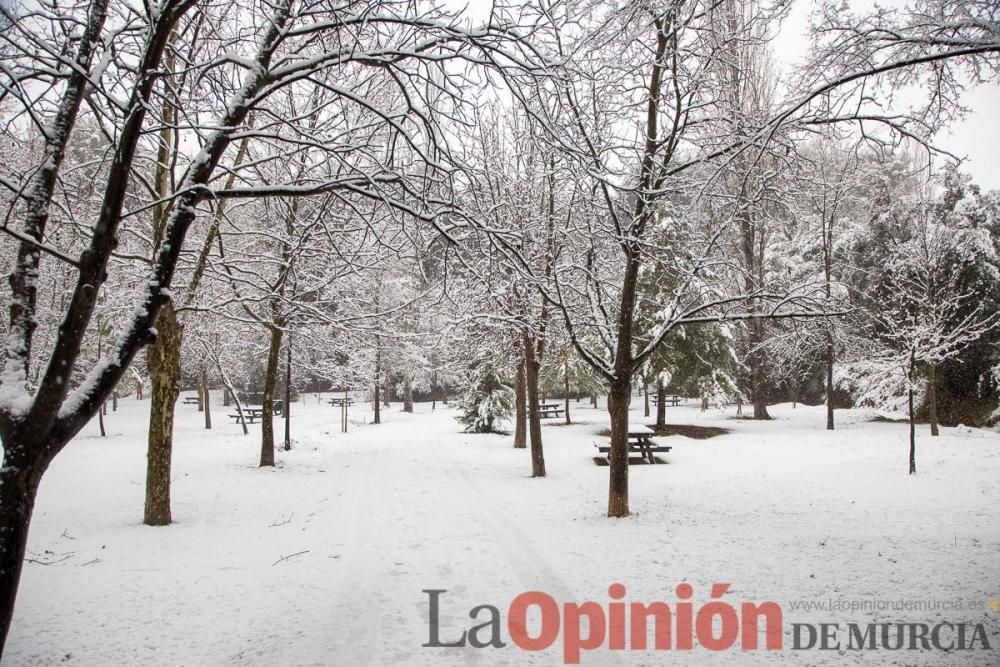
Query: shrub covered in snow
x=486, y=403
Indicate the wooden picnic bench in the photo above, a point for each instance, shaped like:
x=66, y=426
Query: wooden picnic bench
x=249, y=415
x=549, y=410
x=672, y=401
x=191, y=400
x=640, y=441
x=340, y=401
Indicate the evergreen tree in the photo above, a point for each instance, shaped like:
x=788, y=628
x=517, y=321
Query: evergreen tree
x=487, y=401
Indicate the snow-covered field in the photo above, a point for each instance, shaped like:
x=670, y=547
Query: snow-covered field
x=782, y=511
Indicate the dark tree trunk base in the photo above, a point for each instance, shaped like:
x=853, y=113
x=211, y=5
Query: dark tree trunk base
x=18, y=488
x=619, y=396
x=531, y=367
x=520, y=409
x=165, y=374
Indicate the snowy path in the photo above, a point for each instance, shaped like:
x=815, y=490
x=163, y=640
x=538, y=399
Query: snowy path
x=784, y=511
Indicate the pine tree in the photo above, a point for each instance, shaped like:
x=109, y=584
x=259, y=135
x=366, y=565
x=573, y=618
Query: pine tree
x=487, y=402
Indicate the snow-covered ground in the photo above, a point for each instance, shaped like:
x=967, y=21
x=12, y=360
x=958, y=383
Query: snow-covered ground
x=781, y=510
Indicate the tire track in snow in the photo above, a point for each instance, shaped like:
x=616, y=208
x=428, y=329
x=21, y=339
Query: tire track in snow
x=534, y=569
x=531, y=567
x=338, y=617
x=355, y=619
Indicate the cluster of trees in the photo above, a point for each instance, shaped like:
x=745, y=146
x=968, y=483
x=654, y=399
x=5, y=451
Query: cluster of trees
x=379, y=194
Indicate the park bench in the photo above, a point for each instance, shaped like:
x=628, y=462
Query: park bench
x=640, y=441
x=340, y=401
x=672, y=401
x=249, y=415
x=549, y=410
x=191, y=400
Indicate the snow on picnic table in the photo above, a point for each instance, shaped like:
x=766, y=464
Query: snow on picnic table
x=323, y=559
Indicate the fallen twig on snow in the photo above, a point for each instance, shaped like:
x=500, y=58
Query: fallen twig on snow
x=297, y=553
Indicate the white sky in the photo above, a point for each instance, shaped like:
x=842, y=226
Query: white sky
x=976, y=138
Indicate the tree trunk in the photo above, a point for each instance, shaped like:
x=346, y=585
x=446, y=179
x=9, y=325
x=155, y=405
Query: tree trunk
x=661, y=404
x=164, y=361
x=645, y=399
x=593, y=400
x=343, y=413
x=200, y=391
x=385, y=391
x=208, y=399
x=407, y=393
x=434, y=384
x=932, y=397
x=18, y=488
x=520, y=408
x=270, y=382
x=286, y=410
x=114, y=401
x=566, y=386
x=531, y=367
x=378, y=371
x=913, y=428
x=756, y=364
x=619, y=396
x=100, y=422
x=227, y=397
x=829, y=381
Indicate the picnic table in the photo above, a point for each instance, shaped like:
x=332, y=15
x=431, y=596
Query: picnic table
x=340, y=401
x=549, y=410
x=672, y=401
x=191, y=400
x=249, y=415
x=640, y=440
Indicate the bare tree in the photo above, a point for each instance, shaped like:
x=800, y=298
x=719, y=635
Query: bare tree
x=111, y=60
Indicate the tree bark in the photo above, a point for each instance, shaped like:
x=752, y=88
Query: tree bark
x=531, y=367
x=619, y=396
x=407, y=394
x=18, y=488
x=932, y=397
x=566, y=386
x=913, y=427
x=661, y=404
x=208, y=399
x=434, y=383
x=756, y=363
x=520, y=407
x=378, y=372
x=645, y=399
x=385, y=391
x=270, y=382
x=286, y=410
x=164, y=361
x=620, y=386
x=829, y=381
